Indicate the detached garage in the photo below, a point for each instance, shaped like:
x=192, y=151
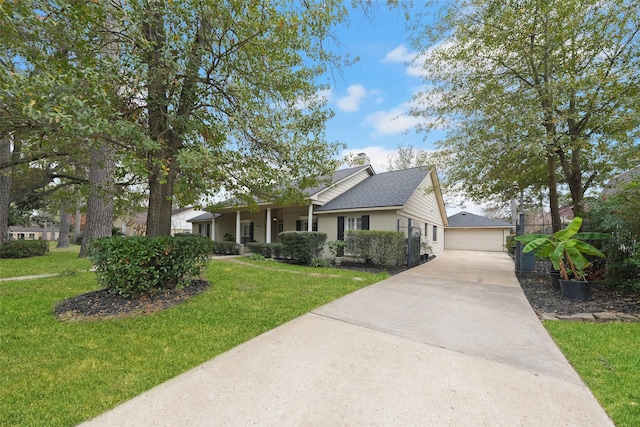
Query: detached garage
x=470, y=232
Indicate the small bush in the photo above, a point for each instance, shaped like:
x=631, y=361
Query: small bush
x=267, y=250
x=381, y=248
x=321, y=263
x=226, y=248
x=135, y=266
x=511, y=245
x=23, y=248
x=302, y=246
x=257, y=257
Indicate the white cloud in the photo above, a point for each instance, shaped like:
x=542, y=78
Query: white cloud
x=352, y=101
x=391, y=122
x=399, y=54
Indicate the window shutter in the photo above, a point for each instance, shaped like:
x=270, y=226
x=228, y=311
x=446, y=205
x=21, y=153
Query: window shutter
x=314, y=226
x=365, y=222
x=251, y=232
x=299, y=225
x=340, y=228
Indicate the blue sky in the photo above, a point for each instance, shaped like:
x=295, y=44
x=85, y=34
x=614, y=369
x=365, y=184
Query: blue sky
x=371, y=97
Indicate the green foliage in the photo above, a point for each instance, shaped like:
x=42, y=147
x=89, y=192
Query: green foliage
x=321, y=263
x=617, y=217
x=336, y=247
x=257, y=257
x=228, y=238
x=382, y=248
x=511, y=244
x=268, y=250
x=226, y=248
x=528, y=90
x=565, y=248
x=302, y=246
x=135, y=266
x=23, y=248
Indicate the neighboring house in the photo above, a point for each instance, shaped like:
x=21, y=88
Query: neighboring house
x=620, y=181
x=137, y=225
x=356, y=199
x=34, y=232
x=470, y=232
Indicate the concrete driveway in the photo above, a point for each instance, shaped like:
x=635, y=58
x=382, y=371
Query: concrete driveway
x=450, y=343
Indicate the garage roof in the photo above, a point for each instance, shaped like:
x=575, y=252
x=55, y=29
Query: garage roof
x=469, y=220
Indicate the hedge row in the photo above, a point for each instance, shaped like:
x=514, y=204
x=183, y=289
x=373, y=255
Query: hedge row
x=23, y=248
x=135, y=266
x=226, y=248
x=381, y=248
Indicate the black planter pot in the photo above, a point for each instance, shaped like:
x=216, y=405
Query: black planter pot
x=575, y=290
x=554, y=279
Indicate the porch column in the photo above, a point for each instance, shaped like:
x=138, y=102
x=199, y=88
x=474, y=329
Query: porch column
x=268, y=227
x=213, y=226
x=238, y=239
x=310, y=219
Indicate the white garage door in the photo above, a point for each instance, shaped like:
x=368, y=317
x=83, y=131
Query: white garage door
x=491, y=240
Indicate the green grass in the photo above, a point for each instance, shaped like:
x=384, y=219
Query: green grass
x=55, y=373
x=607, y=357
x=56, y=261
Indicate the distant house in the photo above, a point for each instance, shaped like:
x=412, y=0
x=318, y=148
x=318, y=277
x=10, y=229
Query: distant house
x=470, y=232
x=137, y=225
x=616, y=183
x=34, y=232
x=355, y=199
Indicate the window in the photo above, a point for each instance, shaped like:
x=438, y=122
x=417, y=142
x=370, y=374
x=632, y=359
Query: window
x=354, y=223
x=435, y=234
x=314, y=225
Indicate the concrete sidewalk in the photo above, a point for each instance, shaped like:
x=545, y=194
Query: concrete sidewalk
x=453, y=342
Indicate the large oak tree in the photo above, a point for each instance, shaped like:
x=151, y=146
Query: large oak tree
x=534, y=93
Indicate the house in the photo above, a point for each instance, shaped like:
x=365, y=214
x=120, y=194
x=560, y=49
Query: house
x=470, y=232
x=34, y=232
x=619, y=182
x=356, y=198
x=137, y=225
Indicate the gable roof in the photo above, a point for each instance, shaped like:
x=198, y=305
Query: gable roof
x=337, y=176
x=382, y=190
x=469, y=220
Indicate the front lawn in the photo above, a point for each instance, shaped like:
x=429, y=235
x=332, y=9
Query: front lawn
x=56, y=261
x=607, y=357
x=57, y=373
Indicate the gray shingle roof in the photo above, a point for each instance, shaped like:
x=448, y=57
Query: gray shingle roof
x=469, y=220
x=381, y=190
x=203, y=217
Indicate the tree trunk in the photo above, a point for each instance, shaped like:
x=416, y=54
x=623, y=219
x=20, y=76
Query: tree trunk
x=76, y=224
x=6, y=180
x=101, y=189
x=65, y=226
x=160, y=203
x=553, y=193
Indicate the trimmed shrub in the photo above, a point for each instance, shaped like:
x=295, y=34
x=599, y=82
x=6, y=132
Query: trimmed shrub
x=302, y=246
x=135, y=266
x=321, y=262
x=511, y=245
x=23, y=248
x=267, y=250
x=226, y=248
x=381, y=248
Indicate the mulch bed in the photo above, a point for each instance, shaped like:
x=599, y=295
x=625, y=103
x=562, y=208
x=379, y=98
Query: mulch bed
x=102, y=303
x=544, y=299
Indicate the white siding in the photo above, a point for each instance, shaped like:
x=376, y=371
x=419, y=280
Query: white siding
x=333, y=192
